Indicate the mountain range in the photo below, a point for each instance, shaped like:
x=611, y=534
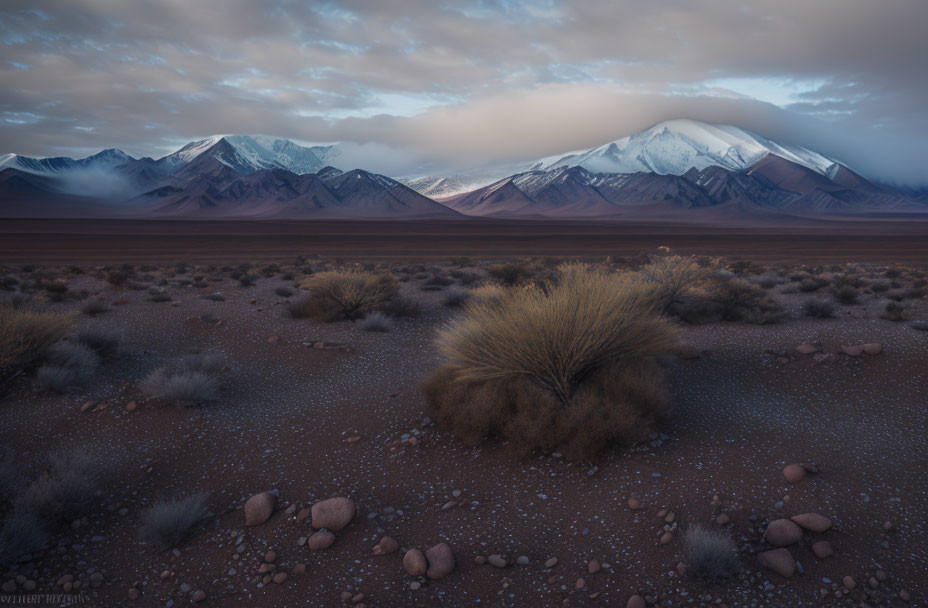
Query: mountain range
x=674, y=169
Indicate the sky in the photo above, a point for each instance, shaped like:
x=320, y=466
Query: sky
x=435, y=85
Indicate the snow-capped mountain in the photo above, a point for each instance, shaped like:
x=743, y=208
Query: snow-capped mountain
x=255, y=152
x=676, y=146
x=104, y=159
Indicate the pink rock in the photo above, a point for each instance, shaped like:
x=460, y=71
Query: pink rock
x=812, y=521
x=873, y=348
x=259, y=508
x=782, y=532
x=794, y=473
x=853, y=351
x=440, y=559
x=822, y=549
x=414, y=562
x=635, y=601
x=806, y=349
x=778, y=560
x=333, y=514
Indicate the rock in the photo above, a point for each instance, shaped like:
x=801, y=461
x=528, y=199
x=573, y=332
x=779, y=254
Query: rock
x=580, y=584
x=415, y=585
x=812, y=521
x=130, y=407
x=388, y=545
x=522, y=560
x=480, y=560
x=670, y=517
x=873, y=348
x=666, y=538
x=920, y=325
x=881, y=576
x=259, y=508
x=681, y=569
x=441, y=561
x=96, y=579
x=346, y=595
x=904, y=595
x=198, y=596
x=848, y=583
x=779, y=561
x=873, y=582
x=414, y=562
x=87, y=405
x=280, y=577
x=498, y=560
x=271, y=556
x=635, y=601
x=855, y=350
x=794, y=473
x=333, y=514
x=782, y=532
x=303, y=514
x=322, y=539
x=552, y=562
x=29, y=585
x=67, y=578
x=299, y=569
x=806, y=349
x=634, y=504
x=290, y=510
x=594, y=566
x=722, y=519
x=133, y=593
x=822, y=549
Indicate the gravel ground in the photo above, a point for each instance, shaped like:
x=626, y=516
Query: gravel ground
x=290, y=415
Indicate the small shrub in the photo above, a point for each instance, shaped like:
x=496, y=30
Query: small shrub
x=711, y=555
x=167, y=523
x=21, y=535
x=215, y=297
x=193, y=379
x=439, y=281
x=400, y=307
x=847, y=295
x=94, y=307
x=56, y=290
x=68, y=489
x=350, y=294
x=10, y=477
x=117, y=278
x=158, y=295
x=812, y=284
x=768, y=282
x=727, y=299
x=26, y=334
x=104, y=342
x=377, y=321
x=674, y=274
x=247, y=280
x=70, y=365
x=879, y=286
x=820, y=309
x=509, y=274
x=455, y=298
x=284, y=292
x=895, y=312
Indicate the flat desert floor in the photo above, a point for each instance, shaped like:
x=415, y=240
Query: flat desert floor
x=314, y=410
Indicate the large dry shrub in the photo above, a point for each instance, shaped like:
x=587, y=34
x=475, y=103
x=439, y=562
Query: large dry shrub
x=25, y=334
x=346, y=294
x=568, y=365
x=724, y=298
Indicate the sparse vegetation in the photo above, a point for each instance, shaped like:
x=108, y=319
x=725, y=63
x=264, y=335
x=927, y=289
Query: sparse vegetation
x=510, y=274
x=68, y=489
x=167, y=523
x=21, y=535
x=565, y=367
x=455, y=298
x=94, y=307
x=26, y=334
x=69, y=366
x=284, y=292
x=895, y=312
x=847, y=294
x=350, y=294
x=727, y=299
x=711, y=555
x=104, y=342
x=820, y=309
x=674, y=274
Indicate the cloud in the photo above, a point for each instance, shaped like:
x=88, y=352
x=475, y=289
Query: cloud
x=497, y=78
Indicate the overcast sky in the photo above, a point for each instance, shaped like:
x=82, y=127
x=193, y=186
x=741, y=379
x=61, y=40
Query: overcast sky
x=436, y=83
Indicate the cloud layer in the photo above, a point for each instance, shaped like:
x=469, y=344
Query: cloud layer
x=460, y=84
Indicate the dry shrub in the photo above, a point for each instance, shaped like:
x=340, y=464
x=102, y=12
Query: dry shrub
x=21, y=535
x=68, y=489
x=348, y=294
x=26, y=334
x=819, y=309
x=567, y=366
x=168, y=522
x=895, y=312
x=675, y=274
x=510, y=274
x=711, y=555
x=727, y=299
x=192, y=380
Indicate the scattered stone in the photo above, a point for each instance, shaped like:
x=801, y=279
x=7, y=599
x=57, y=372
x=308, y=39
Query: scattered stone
x=594, y=566
x=855, y=350
x=198, y=596
x=271, y=556
x=299, y=569
x=498, y=560
x=259, y=508
x=822, y=549
x=522, y=560
x=303, y=514
x=666, y=538
x=29, y=585
x=635, y=601
x=779, y=561
x=130, y=407
x=670, y=517
x=441, y=561
x=812, y=521
x=413, y=586
x=806, y=349
x=359, y=597
x=133, y=593
x=480, y=560
x=634, y=504
x=552, y=562
x=881, y=576
x=87, y=405
x=280, y=577
x=333, y=514
x=794, y=473
x=873, y=348
x=414, y=562
x=386, y=546
x=782, y=532
x=722, y=519
x=580, y=583
x=848, y=582
x=904, y=595
x=96, y=579
x=321, y=540
x=681, y=569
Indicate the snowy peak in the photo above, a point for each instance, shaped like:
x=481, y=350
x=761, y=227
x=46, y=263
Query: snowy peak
x=674, y=147
x=246, y=153
x=104, y=159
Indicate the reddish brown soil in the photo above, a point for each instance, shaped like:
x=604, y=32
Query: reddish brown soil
x=111, y=241
x=740, y=417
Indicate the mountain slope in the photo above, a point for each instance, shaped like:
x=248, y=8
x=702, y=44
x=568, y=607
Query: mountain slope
x=248, y=153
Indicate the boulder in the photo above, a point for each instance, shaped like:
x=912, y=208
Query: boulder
x=441, y=561
x=794, y=473
x=782, y=532
x=813, y=522
x=635, y=601
x=259, y=508
x=822, y=549
x=414, y=562
x=778, y=560
x=333, y=514
x=387, y=545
